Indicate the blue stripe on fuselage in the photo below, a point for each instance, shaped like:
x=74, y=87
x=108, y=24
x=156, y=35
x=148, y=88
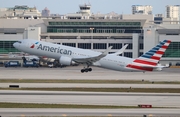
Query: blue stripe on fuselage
x=162, y=43
x=156, y=48
x=165, y=41
x=159, y=46
x=153, y=51
x=146, y=56
x=149, y=53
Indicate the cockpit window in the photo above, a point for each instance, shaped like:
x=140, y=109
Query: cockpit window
x=19, y=42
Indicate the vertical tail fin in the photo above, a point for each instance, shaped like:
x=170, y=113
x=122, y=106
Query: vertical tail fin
x=153, y=56
x=150, y=59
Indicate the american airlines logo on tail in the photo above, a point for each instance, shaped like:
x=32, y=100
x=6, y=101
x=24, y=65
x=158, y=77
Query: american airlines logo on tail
x=150, y=58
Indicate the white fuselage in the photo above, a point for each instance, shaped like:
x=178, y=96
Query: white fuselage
x=55, y=51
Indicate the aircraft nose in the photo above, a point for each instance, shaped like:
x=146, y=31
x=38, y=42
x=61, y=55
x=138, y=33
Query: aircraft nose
x=15, y=44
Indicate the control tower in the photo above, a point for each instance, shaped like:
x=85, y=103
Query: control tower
x=85, y=9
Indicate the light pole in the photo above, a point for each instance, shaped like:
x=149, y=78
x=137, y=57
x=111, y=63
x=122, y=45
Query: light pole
x=91, y=37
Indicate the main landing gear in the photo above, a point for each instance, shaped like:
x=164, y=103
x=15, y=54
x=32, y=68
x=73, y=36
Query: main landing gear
x=86, y=70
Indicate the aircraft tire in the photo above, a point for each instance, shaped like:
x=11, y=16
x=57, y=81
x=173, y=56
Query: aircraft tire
x=82, y=70
x=90, y=69
x=86, y=70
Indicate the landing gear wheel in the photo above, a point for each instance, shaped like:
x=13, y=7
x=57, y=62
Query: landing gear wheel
x=82, y=70
x=86, y=70
x=90, y=69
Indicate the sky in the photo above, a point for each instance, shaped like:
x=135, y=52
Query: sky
x=97, y=6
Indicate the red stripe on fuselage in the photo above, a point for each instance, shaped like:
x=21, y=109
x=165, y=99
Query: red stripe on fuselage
x=160, y=52
x=155, y=58
x=145, y=62
x=168, y=41
x=139, y=67
x=164, y=46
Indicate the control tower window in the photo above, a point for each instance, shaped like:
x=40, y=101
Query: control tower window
x=84, y=8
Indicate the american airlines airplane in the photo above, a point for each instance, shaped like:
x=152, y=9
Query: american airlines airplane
x=70, y=55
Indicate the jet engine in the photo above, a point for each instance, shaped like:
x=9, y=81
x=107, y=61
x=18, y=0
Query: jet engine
x=64, y=60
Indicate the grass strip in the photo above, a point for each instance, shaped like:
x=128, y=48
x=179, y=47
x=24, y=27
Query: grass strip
x=42, y=105
x=140, y=90
x=85, y=81
x=35, y=105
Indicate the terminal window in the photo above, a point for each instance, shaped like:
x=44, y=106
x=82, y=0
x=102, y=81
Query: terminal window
x=141, y=46
x=84, y=45
x=99, y=46
x=69, y=44
x=128, y=54
x=116, y=45
x=130, y=45
x=7, y=46
x=173, y=50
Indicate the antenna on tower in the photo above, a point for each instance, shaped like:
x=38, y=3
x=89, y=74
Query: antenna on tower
x=35, y=7
x=89, y=2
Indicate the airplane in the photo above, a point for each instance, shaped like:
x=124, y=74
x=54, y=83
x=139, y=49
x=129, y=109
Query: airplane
x=70, y=55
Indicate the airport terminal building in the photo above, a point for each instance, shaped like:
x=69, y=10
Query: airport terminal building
x=90, y=31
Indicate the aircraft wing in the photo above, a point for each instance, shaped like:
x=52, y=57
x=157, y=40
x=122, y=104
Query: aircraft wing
x=121, y=50
x=90, y=60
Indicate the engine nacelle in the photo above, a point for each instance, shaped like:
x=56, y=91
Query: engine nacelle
x=64, y=60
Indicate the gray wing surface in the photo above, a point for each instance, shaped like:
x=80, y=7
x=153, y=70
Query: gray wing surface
x=90, y=60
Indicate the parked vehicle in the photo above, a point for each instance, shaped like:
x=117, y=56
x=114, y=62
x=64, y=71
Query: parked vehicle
x=12, y=64
x=178, y=64
x=1, y=64
x=30, y=64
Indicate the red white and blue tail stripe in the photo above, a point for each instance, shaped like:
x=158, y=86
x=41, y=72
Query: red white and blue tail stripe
x=150, y=59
